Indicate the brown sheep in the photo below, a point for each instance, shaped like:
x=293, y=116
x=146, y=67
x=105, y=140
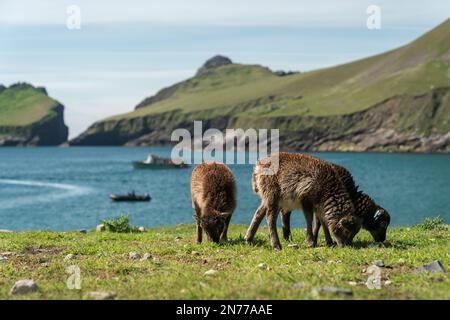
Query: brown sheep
x=213, y=193
x=375, y=219
x=306, y=183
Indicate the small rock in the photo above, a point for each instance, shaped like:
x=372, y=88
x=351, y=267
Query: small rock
x=353, y=283
x=387, y=282
x=134, y=256
x=178, y=238
x=298, y=285
x=3, y=258
x=262, y=266
x=141, y=229
x=100, y=295
x=379, y=263
x=82, y=231
x=70, y=256
x=195, y=253
x=100, y=228
x=146, y=256
x=335, y=291
x=293, y=246
x=23, y=287
x=435, y=266
x=210, y=272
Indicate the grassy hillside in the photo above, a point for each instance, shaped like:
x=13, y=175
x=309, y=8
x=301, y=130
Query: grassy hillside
x=29, y=117
x=23, y=104
x=413, y=69
x=176, y=266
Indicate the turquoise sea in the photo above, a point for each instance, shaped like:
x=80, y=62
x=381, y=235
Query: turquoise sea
x=68, y=188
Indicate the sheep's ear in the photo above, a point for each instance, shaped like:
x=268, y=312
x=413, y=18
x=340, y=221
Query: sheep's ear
x=225, y=214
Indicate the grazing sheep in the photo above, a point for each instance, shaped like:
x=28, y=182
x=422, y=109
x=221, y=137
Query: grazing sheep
x=375, y=219
x=306, y=183
x=213, y=193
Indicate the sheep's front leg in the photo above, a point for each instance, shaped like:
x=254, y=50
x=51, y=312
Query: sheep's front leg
x=198, y=214
x=199, y=233
x=316, y=230
x=286, y=224
x=271, y=216
x=223, y=236
x=256, y=221
x=328, y=237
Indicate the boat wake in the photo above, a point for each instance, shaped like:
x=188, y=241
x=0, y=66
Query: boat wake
x=62, y=191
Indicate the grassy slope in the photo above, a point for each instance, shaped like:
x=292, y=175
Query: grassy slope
x=24, y=105
x=413, y=69
x=175, y=273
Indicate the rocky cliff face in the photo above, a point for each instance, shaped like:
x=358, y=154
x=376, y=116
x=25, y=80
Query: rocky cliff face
x=402, y=123
x=46, y=129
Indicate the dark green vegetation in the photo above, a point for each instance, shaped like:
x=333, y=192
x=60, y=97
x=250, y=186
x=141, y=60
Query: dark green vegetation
x=119, y=225
x=395, y=101
x=176, y=267
x=28, y=116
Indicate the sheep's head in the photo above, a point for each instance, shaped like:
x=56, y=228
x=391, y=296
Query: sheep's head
x=214, y=224
x=345, y=230
x=377, y=224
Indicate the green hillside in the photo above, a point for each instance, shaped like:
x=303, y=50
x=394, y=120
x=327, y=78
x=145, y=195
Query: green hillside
x=28, y=116
x=23, y=104
x=395, y=101
x=413, y=69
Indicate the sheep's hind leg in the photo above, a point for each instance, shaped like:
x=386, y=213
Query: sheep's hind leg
x=256, y=221
x=271, y=216
x=286, y=224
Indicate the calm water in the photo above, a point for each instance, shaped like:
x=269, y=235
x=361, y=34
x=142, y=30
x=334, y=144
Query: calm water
x=67, y=188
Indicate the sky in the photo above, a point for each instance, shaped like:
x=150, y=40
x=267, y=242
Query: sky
x=125, y=51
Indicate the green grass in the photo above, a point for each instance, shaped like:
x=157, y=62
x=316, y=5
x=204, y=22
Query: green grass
x=174, y=272
x=23, y=104
x=413, y=69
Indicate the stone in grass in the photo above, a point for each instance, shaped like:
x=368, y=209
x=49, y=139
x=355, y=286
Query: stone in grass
x=70, y=256
x=23, y=287
x=195, y=253
x=134, y=256
x=293, y=246
x=101, y=295
x=100, y=228
x=379, y=263
x=3, y=258
x=334, y=291
x=178, y=238
x=146, y=256
x=141, y=229
x=435, y=266
x=262, y=266
x=210, y=272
